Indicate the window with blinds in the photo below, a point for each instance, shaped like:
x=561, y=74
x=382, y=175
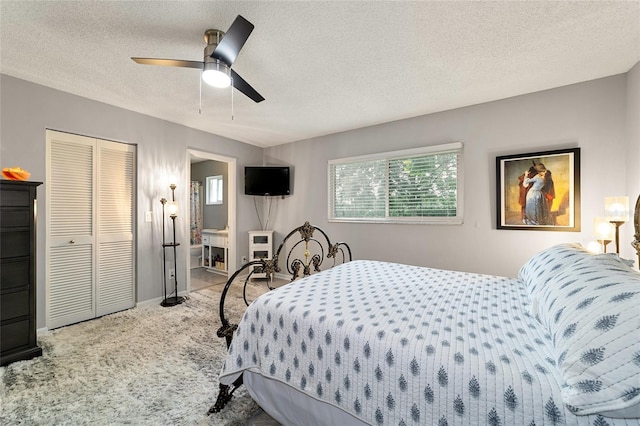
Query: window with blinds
x=421, y=185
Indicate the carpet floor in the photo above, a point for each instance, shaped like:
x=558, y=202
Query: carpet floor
x=145, y=366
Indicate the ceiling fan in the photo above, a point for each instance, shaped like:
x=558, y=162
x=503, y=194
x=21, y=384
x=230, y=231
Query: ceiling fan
x=221, y=51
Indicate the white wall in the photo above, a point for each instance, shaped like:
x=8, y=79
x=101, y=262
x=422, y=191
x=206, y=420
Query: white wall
x=589, y=115
x=27, y=110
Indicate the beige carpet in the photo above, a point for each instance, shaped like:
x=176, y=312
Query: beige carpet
x=146, y=366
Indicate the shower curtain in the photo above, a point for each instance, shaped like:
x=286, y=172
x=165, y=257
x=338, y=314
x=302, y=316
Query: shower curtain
x=196, y=212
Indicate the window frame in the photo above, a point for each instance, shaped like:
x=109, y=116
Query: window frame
x=458, y=219
x=218, y=181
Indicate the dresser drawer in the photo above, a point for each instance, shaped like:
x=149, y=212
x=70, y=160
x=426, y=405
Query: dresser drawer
x=14, y=335
x=260, y=239
x=13, y=217
x=14, y=304
x=15, y=243
x=15, y=274
x=214, y=240
x=218, y=241
x=13, y=197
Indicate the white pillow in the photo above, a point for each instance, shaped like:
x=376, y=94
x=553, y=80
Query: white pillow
x=542, y=267
x=591, y=310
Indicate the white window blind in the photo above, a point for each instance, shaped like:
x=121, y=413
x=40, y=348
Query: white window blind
x=421, y=185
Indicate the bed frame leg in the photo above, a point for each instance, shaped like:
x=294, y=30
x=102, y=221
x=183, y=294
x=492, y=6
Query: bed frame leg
x=224, y=396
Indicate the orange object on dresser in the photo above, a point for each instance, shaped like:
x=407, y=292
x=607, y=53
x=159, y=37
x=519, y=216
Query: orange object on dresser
x=15, y=173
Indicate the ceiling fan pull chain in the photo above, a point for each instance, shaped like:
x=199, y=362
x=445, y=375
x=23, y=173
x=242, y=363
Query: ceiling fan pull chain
x=231, y=98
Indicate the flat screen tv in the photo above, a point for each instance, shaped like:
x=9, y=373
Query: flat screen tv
x=267, y=180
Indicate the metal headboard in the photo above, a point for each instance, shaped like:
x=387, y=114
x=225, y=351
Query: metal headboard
x=316, y=249
x=305, y=256
x=636, y=237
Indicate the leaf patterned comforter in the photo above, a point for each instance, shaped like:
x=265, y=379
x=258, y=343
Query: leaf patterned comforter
x=396, y=344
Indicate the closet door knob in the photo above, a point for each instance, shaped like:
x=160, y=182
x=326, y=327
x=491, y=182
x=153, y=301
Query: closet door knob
x=72, y=241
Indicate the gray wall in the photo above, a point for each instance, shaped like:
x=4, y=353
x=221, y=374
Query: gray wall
x=591, y=115
x=633, y=136
x=27, y=110
x=213, y=216
x=600, y=116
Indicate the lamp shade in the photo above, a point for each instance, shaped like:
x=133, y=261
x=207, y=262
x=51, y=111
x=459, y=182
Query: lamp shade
x=216, y=74
x=172, y=209
x=617, y=208
x=594, y=247
x=604, y=230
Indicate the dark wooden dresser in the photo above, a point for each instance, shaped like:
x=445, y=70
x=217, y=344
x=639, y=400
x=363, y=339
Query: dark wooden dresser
x=18, y=271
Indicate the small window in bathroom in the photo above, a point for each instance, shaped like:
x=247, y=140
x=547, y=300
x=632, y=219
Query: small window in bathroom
x=214, y=190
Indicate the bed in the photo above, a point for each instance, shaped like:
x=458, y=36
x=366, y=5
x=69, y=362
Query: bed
x=369, y=342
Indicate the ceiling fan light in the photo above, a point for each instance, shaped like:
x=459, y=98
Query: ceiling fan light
x=216, y=74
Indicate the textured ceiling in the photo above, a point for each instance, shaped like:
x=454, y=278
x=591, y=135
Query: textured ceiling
x=323, y=67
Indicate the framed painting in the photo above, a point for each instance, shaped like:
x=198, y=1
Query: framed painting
x=539, y=191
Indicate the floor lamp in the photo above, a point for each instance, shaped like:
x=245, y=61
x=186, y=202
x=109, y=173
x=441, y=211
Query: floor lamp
x=173, y=213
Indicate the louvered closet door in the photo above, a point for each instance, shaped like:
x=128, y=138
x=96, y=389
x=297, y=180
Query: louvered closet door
x=70, y=219
x=115, y=256
x=90, y=264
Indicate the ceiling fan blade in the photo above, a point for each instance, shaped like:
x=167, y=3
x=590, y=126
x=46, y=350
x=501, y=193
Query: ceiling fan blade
x=244, y=87
x=170, y=62
x=233, y=40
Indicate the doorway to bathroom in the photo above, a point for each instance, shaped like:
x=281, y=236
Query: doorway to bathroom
x=211, y=228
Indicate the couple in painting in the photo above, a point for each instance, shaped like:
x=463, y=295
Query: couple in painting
x=536, y=195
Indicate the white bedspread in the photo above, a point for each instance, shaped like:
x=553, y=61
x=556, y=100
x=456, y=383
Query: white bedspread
x=403, y=345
